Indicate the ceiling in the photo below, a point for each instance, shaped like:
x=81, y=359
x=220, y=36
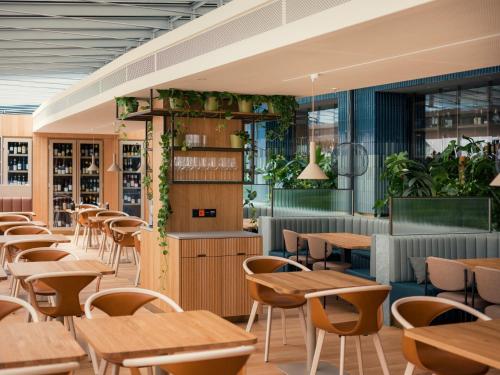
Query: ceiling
x=48, y=45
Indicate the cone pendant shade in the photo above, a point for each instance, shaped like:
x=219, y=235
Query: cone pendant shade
x=496, y=181
x=93, y=167
x=312, y=171
x=114, y=167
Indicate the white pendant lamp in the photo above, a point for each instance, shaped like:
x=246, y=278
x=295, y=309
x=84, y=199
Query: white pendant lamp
x=496, y=181
x=114, y=167
x=93, y=166
x=312, y=171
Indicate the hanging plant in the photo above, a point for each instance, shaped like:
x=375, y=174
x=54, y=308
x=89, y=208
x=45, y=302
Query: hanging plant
x=147, y=180
x=285, y=107
x=127, y=105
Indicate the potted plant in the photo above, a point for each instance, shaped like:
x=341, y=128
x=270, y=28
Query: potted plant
x=239, y=139
x=179, y=134
x=210, y=101
x=175, y=98
x=245, y=103
x=126, y=105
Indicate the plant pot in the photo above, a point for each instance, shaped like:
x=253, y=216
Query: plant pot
x=211, y=104
x=270, y=108
x=176, y=103
x=236, y=141
x=179, y=140
x=245, y=105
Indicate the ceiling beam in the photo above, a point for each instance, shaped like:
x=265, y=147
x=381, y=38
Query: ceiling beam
x=59, y=53
x=97, y=44
x=87, y=23
x=50, y=59
x=41, y=34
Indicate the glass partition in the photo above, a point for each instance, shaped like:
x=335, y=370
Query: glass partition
x=440, y=215
x=311, y=202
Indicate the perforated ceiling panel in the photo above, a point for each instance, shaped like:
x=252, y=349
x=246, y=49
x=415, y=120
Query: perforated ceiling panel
x=257, y=22
x=141, y=68
x=297, y=9
x=114, y=79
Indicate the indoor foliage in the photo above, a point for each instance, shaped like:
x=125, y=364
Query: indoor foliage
x=148, y=178
x=459, y=171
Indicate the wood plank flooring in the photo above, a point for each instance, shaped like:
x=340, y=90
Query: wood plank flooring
x=294, y=351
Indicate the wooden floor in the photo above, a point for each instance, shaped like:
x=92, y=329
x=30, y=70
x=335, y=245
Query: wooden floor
x=294, y=351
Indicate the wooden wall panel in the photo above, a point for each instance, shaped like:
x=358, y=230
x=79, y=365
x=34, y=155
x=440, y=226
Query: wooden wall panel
x=16, y=125
x=41, y=177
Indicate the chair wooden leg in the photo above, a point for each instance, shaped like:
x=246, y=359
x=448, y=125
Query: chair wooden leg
x=302, y=322
x=410, y=367
x=317, y=352
x=111, y=253
x=76, y=235
x=93, y=359
x=103, y=366
x=71, y=325
x=283, y=325
x=101, y=245
x=268, y=333
x=342, y=355
x=359, y=354
x=115, y=370
x=118, y=257
x=86, y=238
x=380, y=354
x=253, y=313
x=138, y=272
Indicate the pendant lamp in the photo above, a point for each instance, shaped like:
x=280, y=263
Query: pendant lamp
x=114, y=167
x=93, y=166
x=496, y=180
x=312, y=171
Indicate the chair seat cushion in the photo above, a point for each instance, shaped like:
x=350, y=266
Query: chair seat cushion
x=479, y=303
x=302, y=259
x=51, y=311
x=493, y=311
x=43, y=289
x=336, y=266
x=282, y=301
x=445, y=363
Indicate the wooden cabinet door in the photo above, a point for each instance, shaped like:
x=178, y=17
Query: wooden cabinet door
x=201, y=280
x=235, y=299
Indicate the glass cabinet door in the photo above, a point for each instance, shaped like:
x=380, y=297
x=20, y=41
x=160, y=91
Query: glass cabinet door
x=62, y=183
x=17, y=161
x=131, y=181
x=90, y=182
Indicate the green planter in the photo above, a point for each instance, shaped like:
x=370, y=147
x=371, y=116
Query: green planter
x=245, y=105
x=211, y=104
x=270, y=108
x=236, y=141
x=176, y=103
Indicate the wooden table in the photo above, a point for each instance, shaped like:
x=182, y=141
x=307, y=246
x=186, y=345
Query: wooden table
x=3, y=275
x=102, y=219
x=23, y=270
x=30, y=344
x=126, y=230
x=477, y=341
x=28, y=237
x=119, y=338
x=38, y=223
x=344, y=241
x=481, y=262
x=301, y=283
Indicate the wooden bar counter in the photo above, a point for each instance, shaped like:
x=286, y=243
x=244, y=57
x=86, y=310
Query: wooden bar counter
x=204, y=270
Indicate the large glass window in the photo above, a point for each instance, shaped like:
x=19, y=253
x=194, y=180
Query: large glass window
x=450, y=114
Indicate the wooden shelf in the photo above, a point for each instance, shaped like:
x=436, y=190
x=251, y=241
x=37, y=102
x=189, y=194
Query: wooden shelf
x=203, y=182
x=249, y=116
x=22, y=171
x=223, y=149
x=62, y=175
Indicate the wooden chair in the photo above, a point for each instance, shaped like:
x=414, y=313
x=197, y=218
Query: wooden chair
x=13, y=217
x=454, y=279
x=411, y=312
x=267, y=296
x=122, y=302
x=123, y=241
x=137, y=247
x=88, y=229
x=488, y=287
x=28, y=214
x=53, y=369
x=210, y=362
x=294, y=244
x=11, y=248
x=10, y=304
x=105, y=232
x=78, y=227
x=27, y=229
x=5, y=226
x=320, y=250
x=67, y=287
x=40, y=254
x=368, y=302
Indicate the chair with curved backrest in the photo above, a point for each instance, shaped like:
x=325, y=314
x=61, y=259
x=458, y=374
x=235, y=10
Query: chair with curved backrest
x=137, y=247
x=75, y=213
x=53, y=369
x=122, y=241
x=319, y=251
x=67, y=287
x=6, y=225
x=29, y=215
x=105, y=232
x=89, y=230
x=123, y=302
x=488, y=287
x=40, y=254
x=294, y=244
x=267, y=296
x=13, y=217
x=449, y=276
x=27, y=229
x=210, y=362
x=10, y=304
x=411, y=312
x=368, y=302
x=11, y=248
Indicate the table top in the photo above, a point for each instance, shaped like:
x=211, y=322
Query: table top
x=43, y=343
x=144, y=335
x=483, y=262
x=26, y=237
x=215, y=234
x=347, y=241
x=126, y=230
x=477, y=341
x=38, y=223
x=307, y=282
x=3, y=275
x=101, y=219
x=23, y=270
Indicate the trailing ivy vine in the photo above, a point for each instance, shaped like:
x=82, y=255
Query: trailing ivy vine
x=148, y=178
